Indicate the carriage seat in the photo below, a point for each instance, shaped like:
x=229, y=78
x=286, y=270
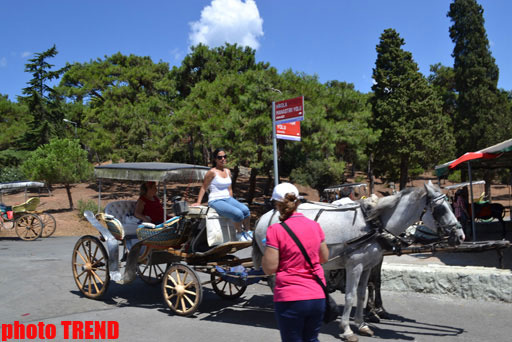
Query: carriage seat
x=123, y=211
x=218, y=229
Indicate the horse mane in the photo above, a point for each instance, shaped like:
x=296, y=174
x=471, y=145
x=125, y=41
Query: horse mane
x=389, y=202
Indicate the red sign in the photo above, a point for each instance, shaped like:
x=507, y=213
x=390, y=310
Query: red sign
x=289, y=110
x=288, y=131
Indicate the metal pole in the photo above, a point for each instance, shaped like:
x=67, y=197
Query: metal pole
x=165, y=202
x=473, y=227
x=99, y=196
x=274, y=141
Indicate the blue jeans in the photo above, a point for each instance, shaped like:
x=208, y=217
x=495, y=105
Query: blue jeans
x=300, y=321
x=230, y=208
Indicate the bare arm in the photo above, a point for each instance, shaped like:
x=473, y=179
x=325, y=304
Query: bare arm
x=206, y=183
x=324, y=253
x=139, y=209
x=270, y=260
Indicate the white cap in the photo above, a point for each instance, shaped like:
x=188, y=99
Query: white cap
x=282, y=189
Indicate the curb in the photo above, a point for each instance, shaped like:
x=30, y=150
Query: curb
x=483, y=283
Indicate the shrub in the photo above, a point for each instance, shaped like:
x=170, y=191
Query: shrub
x=11, y=174
x=83, y=206
x=454, y=176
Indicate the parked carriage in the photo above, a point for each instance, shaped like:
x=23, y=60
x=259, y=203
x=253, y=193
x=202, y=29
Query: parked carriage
x=28, y=222
x=194, y=240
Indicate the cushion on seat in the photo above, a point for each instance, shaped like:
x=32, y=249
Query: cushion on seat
x=123, y=211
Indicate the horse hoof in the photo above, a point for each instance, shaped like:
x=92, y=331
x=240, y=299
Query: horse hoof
x=349, y=338
x=383, y=314
x=372, y=318
x=365, y=330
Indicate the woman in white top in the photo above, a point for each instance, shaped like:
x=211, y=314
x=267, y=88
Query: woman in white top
x=218, y=181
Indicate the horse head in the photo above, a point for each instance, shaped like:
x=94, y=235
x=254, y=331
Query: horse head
x=439, y=214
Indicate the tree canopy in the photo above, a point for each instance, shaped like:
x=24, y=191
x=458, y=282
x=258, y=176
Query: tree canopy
x=407, y=112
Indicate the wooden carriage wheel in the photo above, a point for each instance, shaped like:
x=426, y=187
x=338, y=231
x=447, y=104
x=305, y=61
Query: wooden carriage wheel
x=182, y=290
x=28, y=226
x=49, y=224
x=225, y=289
x=90, y=267
x=151, y=274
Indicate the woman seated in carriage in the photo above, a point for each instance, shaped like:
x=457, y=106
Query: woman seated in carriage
x=218, y=181
x=148, y=207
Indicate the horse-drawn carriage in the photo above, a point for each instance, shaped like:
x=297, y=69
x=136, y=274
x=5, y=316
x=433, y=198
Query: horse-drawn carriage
x=28, y=222
x=194, y=240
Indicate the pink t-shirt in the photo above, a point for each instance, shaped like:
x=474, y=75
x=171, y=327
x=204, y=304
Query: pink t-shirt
x=294, y=279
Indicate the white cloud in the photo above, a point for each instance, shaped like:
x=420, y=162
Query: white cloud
x=25, y=54
x=228, y=21
x=3, y=62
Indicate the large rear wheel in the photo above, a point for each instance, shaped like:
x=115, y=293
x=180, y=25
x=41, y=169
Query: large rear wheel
x=28, y=226
x=90, y=267
x=49, y=224
x=182, y=290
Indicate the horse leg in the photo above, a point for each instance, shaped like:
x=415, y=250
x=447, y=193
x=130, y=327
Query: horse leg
x=379, y=307
x=371, y=309
x=503, y=227
x=361, y=293
x=353, y=275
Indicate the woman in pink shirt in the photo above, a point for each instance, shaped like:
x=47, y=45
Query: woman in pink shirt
x=299, y=300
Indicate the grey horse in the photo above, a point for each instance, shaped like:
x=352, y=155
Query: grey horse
x=352, y=241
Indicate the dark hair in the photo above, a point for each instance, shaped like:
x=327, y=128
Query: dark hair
x=345, y=192
x=144, y=187
x=287, y=206
x=215, y=153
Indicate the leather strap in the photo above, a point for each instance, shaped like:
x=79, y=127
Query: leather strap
x=305, y=254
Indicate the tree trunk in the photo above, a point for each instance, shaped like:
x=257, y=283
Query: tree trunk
x=70, y=199
x=269, y=183
x=234, y=177
x=404, y=171
x=370, y=174
x=252, y=185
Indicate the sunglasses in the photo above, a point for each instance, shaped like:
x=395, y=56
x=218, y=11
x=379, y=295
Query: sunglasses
x=222, y=157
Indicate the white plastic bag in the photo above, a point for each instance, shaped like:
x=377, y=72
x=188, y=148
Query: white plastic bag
x=214, y=231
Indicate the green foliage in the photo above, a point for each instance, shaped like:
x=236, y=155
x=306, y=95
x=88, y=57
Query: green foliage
x=455, y=176
x=42, y=102
x=11, y=174
x=205, y=64
x=14, y=118
x=481, y=118
x=319, y=174
x=90, y=205
x=123, y=103
x=415, y=134
x=60, y=161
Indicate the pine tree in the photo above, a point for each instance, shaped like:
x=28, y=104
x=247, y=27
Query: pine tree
x=41, y=100
x=407, y=111
x=481, y=114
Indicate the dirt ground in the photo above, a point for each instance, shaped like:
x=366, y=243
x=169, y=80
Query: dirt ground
x=70, y=224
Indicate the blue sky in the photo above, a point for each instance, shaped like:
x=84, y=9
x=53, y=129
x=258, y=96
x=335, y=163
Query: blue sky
x=334, y=39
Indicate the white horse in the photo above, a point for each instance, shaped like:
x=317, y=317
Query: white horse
x=352, y=241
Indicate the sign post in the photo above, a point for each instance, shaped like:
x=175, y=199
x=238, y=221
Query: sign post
x=283, y=112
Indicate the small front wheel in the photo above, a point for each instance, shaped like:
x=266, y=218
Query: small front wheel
x=28, y=226
x=182, y=290
x=151, y=274
x=90, y=267
x=226, y=289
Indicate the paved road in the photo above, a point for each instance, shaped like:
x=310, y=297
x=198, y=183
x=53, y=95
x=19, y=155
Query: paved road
x=36, y=285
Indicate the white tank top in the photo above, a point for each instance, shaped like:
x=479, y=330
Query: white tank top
x=219, y=188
